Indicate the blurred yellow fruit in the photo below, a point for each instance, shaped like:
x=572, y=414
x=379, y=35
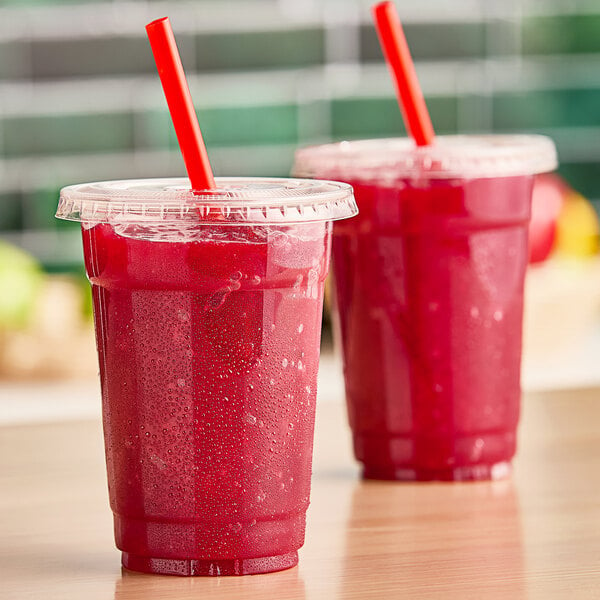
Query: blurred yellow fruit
x=578, y=229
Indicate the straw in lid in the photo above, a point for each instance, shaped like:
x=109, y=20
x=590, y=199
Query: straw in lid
x=461, y=156
x=235, y=200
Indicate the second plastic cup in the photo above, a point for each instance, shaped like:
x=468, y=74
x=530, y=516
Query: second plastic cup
x=429, y=290
x=208, y=310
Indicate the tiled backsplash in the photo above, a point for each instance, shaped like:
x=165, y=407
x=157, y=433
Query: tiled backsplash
x=80, y=99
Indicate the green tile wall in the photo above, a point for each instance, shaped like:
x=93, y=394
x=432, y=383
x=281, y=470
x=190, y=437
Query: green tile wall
x=318, y=70
x=11, y=211
x=67, y=134
x=14, y=60
x=259, y=50
x=584, y=177
x=562, y=34
x=94, y=57
x=120, y=55
x=234, y=126
x=380, y=117
x=250, y=125
x=40, y=206
x=431, y=41
x=548, y=108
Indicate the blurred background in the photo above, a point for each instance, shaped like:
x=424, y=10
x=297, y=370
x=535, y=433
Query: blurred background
x=80, y=100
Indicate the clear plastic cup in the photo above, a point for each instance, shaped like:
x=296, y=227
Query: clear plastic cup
x=207, y=311
x=429, y=292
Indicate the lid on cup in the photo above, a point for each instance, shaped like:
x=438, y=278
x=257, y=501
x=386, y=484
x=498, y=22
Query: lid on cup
x=463, y=156
x=235, y=200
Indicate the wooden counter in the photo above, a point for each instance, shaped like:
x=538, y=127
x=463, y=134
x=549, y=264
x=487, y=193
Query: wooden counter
x=536, y=535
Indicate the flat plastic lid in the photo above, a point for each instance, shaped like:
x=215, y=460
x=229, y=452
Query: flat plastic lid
x=463, y=156
x=235, y=200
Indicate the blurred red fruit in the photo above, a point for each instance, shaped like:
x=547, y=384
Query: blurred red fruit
x=549, y=193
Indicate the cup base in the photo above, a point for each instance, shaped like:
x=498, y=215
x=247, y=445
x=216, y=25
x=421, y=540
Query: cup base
x=209, y=568
x=499, y=470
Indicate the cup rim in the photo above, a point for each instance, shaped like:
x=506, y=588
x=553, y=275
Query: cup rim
x=452, y=156
x=237, y=200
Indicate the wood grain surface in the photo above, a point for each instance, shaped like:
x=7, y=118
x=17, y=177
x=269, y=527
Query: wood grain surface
x=535, y=535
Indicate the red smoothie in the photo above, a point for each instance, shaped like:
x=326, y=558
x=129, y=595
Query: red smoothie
x=429, y=282
x=207, y=308
x=429, y=289
x=208, y=362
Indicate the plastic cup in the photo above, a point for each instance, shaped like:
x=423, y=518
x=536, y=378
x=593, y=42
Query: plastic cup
x=429, y=292
x=207, y=311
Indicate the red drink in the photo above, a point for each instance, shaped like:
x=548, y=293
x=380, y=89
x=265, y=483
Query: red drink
x=429, y=288
x=208, y=343
x=430, y=280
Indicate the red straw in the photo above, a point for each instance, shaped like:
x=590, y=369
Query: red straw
x=396, y=52
x=180, y=104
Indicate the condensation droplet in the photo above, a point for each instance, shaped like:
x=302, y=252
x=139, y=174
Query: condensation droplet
x=498, y=315
x=284, y=363
x=474, y=312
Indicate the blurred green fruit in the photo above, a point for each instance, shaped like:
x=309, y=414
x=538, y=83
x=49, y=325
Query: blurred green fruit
x=21, y=277
x=86, y=292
